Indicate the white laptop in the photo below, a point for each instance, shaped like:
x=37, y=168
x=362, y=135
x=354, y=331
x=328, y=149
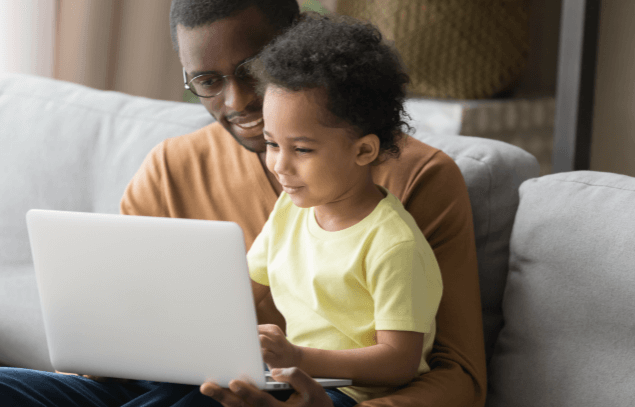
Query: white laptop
x=147, y=298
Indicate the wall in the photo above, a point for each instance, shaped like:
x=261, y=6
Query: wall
x=613, y=140
x=539, y=78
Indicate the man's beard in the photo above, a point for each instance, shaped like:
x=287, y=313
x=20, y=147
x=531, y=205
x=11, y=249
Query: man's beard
x=243, y=140
x=226, y=125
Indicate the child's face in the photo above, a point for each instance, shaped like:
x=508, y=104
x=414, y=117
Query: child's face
x=315, y=164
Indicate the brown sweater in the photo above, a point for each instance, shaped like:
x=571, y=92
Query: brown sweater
x=208, y=175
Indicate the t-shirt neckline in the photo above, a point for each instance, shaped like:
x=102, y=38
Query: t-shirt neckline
x=372, y=218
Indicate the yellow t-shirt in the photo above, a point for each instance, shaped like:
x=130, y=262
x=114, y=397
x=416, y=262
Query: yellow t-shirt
x=335, y=289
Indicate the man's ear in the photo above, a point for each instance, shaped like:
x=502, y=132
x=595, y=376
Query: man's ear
x=367, y=149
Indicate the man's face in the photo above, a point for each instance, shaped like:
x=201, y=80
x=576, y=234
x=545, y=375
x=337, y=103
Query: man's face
x=219, y=48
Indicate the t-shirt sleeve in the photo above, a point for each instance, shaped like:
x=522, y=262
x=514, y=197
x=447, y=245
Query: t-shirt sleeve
x=405, y=283
x=258, y=255
x=144, y=194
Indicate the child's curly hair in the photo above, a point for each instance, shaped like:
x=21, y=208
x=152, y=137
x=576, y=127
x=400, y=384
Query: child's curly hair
x=363, y=76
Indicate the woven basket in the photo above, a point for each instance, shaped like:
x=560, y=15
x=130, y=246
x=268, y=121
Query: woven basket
x=453, y=49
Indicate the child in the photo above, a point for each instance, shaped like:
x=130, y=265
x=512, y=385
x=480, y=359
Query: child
x=346, y=264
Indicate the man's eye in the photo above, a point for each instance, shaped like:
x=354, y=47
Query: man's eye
x=209, y=81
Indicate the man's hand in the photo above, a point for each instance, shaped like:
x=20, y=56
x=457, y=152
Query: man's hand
x=240, y=394
x=277, y=351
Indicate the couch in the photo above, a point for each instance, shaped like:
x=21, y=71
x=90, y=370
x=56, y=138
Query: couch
x=555, y=253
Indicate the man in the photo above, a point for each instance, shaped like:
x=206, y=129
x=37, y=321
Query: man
x=219, y=173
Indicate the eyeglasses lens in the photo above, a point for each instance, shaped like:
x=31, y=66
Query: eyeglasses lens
x=207, y=85
x=213, y=85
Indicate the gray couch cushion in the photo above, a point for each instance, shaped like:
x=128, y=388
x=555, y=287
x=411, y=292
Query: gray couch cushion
x=493, y=171
x=569, y=304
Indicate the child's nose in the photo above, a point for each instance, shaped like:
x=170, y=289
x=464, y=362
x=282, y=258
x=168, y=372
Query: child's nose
x=283, y=163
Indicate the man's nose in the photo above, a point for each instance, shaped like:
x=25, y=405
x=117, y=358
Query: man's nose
x=238, y=95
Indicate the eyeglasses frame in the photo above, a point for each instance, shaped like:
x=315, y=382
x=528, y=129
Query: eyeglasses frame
x=186, y=83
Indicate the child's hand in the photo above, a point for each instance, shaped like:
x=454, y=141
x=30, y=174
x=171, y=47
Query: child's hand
x=277, y=351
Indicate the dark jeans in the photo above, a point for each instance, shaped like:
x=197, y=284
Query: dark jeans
x=24, y=387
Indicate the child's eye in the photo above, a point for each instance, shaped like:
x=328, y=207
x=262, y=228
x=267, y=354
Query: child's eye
x=303, y=150
x=270, y=144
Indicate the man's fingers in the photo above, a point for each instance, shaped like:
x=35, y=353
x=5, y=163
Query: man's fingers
x=251, y=395
x=209, y=389
x=298, y=379
x=308, y=392
x=223, y=396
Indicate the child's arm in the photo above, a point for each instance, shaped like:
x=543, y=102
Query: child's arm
x=392, y=362
x=260, y=291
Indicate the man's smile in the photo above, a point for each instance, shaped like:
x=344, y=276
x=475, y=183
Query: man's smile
x=247, y=125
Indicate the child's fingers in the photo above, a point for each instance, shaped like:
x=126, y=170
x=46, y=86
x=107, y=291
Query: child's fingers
x=269, y=358
x=267, y=342
x=270, y=329
x=266, y=328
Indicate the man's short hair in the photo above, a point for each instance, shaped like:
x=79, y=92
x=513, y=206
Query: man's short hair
x=196, y=13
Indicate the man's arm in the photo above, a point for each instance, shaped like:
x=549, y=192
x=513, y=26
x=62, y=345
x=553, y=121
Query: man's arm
x=439, y=202
x=144, y=194
x=260, y=292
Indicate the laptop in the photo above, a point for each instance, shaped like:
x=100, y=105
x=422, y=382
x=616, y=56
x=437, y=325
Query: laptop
x=148, y=298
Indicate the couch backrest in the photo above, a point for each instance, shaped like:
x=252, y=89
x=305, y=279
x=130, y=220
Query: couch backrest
x=569, y=303
x=493, y=171
x=68, y=147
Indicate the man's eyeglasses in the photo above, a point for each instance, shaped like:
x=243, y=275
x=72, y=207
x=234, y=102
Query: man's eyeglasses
x=210, y=85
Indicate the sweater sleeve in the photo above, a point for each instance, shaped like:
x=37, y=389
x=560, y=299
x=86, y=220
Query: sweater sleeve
x=144, y=195
x=438, y=200
x=257, y=257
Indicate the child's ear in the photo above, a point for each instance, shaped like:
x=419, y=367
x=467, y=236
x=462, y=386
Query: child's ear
x=367, y=149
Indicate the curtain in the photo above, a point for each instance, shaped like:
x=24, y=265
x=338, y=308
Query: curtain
x=121, y=45
x=27, y=32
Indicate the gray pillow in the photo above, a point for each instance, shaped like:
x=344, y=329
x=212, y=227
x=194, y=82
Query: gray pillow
x=569, y=303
